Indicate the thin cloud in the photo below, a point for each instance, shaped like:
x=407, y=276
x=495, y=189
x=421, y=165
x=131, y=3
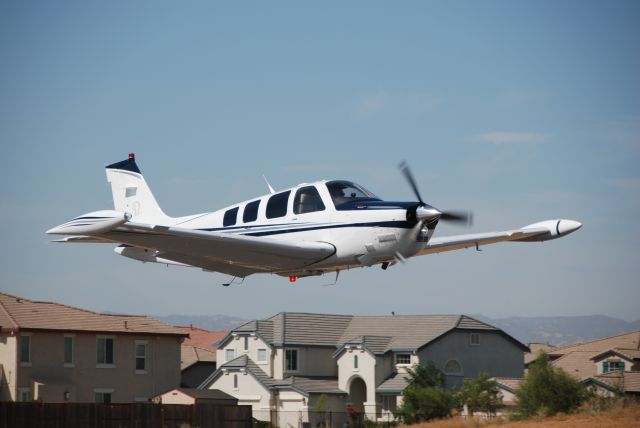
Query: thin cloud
x=372, y=104
x=507, y=138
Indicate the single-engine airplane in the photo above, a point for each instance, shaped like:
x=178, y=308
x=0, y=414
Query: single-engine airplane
x=307, y=230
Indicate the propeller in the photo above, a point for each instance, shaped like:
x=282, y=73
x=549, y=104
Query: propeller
x=424, y=212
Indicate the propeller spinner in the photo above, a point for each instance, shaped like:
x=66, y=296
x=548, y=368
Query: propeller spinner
x=426, y=213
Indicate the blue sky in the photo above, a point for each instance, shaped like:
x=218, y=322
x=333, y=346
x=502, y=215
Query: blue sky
x=521, y=111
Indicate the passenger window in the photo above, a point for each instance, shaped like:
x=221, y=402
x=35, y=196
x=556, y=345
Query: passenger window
x=230, y=217
x=307, y=200
x=277, y=205
x=250, y=212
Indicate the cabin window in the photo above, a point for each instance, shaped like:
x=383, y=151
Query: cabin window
x=250, y=212
x=345, y=191
x=230, y=217
x=307, y=200
x=277, y=205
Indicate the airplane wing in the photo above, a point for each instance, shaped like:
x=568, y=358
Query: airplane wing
x=543, y=231
x=232, y=254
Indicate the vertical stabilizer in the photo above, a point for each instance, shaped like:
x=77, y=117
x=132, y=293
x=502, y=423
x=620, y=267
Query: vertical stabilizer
x=132, y=195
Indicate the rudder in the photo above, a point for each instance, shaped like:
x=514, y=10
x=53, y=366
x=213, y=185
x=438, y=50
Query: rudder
x=132, y=195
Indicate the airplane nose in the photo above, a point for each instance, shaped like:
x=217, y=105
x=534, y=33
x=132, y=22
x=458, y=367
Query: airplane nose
x=427, y=212
x=567, y=226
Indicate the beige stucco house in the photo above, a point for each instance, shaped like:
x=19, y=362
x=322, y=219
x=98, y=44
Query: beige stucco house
x=284, y=365
x=57, y=353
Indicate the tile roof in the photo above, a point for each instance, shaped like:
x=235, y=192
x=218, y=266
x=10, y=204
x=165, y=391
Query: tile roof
x=17, y=313
x=379, y=333
x=629, y=354
x=201, y=338
x=512, y=384
x=189, y=355
x=625, y=381
x=626, y=341
x=578, y=364
x=394, y=383
x=214, y=394
x=311, y=385
x=536, y=349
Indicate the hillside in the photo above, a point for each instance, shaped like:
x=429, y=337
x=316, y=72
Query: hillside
x=554, y=330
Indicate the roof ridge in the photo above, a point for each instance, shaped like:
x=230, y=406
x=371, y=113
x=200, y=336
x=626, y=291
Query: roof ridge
x=559, y=348
x=44, y=302
x=15, y=324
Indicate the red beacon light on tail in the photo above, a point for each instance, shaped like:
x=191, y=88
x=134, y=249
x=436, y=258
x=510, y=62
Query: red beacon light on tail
x=132, y=155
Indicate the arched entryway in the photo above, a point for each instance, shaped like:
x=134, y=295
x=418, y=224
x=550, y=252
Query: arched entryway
x=358, y=393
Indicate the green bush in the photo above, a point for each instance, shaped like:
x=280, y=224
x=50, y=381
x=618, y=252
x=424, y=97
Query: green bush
x=548, y=390
x=423, y=404
x=480, y=395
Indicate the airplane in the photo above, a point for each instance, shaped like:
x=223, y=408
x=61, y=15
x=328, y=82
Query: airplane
x=307, y=230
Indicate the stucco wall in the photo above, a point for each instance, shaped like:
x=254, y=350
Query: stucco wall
x=495, y=355
x=249, y=392
x=84, y=375
x=8, y=360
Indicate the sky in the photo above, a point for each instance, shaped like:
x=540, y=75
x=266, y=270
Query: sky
x=521, y=111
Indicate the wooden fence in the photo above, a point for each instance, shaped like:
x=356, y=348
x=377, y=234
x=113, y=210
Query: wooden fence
x=127, y=415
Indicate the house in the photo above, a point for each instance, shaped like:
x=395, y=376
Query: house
x=57, y=353
x=286, y=365
x=198, y=355
x=609, y=365
x=191, y=396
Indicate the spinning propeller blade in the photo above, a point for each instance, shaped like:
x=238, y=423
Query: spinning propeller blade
x=425, y=212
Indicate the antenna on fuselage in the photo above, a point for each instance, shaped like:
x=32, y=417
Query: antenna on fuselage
x=268, y=185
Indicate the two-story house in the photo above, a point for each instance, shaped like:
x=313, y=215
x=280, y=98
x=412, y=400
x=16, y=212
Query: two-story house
x=610, y=364
x=57, y=353
x=282, y=365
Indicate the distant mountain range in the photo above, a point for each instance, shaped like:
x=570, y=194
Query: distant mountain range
x=553, y=330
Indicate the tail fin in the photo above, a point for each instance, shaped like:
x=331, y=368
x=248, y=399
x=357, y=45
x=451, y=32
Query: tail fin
x=131, y=193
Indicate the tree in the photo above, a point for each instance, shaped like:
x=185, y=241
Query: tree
x=425, y=398
x=427, y=375
x=548, y=390
x=480, y=395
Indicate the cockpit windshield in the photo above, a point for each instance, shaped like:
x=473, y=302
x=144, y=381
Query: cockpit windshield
x=342, y=191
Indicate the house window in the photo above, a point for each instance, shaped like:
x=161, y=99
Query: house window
x=250, y=212
x=235, y=381
x=230, y=354
x=277, y=205
x=141, y=356
x=453, y=367
x=307, y=200
x=25, y=349
x=262, y=355
x=103, y=396
x=355, y=361
x=612, y=366
x=291, y=360
x=246, y=343
x=230, y=217
x=105, y=350
x=403, y=358
x=68, y=350
x=474, y=339
x=24, y=394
